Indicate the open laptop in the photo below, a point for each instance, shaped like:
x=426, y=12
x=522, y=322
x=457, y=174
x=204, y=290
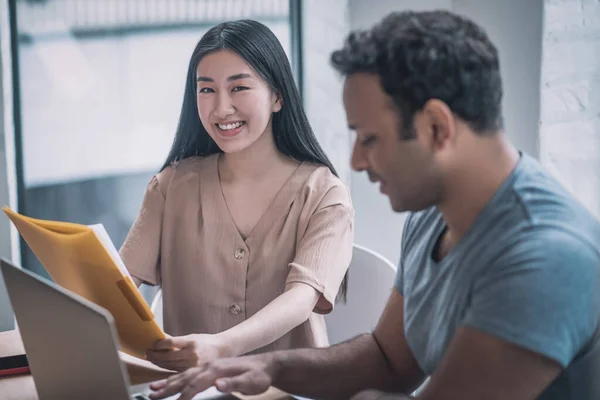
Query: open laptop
x=71, y=343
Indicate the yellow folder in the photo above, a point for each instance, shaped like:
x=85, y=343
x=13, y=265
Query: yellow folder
x=83, y=260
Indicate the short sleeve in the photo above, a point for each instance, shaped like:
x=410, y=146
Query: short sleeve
x=324, y=252
x=141, y=249
x=541, y=294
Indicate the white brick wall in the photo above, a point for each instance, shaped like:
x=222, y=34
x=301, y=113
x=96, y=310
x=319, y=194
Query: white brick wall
x=570, y=97
x=325, y=26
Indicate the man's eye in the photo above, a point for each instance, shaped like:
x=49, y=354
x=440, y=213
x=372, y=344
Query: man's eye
x=368, y=140
x=205, y=90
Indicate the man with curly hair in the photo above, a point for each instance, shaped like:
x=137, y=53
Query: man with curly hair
x=496, y=295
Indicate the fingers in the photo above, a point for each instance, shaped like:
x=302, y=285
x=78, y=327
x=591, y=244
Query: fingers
x=173, y=342
x=248, y=383
x=172, y=385
x=168, y=356
x=193, y=387
x=188, y=383
x=158, y=385
x=173, y=360
x=174, y=365
x=198, y=379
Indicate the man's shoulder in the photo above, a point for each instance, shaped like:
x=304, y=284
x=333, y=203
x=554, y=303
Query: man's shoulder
x=548, y=243
x=551, y=209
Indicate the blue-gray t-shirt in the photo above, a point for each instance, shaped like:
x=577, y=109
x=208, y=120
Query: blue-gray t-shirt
x=527, y=271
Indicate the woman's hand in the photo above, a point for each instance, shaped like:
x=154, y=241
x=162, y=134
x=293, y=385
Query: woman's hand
x=179, y=353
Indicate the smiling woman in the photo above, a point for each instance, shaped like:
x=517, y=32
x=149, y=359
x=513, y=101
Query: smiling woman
x=233, y=102
x=80, y=111
x=246, y=228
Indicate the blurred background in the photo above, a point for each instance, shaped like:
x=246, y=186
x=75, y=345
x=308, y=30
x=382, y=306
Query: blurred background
x=91, y=92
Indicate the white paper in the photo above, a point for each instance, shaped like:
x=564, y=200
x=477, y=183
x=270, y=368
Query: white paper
x=110, y=247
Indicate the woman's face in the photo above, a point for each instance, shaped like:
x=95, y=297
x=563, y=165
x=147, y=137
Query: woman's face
x=234, y=104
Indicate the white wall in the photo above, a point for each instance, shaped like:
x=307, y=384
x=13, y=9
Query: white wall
x=570, y=123
x=515, y=26
x=325, y=26
x=365, y=13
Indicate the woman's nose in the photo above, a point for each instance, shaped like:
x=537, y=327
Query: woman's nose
x=224, y=106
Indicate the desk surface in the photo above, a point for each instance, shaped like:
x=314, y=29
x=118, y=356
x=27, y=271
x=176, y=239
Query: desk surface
x=21, y=387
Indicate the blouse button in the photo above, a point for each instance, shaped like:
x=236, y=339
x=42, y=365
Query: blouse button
x=235, y=309
x=239, y=254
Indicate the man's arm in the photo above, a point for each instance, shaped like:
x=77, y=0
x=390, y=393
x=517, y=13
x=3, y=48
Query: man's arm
x=382, y=360
x=480, y=366
x=531, y=312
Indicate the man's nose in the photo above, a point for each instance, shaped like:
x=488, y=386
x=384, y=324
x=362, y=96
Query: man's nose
x=224, y=106
x=358, y=160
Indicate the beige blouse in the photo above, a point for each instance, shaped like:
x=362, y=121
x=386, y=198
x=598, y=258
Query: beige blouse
x=212, y=279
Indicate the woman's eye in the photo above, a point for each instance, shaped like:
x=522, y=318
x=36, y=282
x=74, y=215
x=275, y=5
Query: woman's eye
x=238, y=88
x=205, y=90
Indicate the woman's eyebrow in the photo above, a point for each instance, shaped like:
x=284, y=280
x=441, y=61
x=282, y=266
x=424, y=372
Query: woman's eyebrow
x=231, y=78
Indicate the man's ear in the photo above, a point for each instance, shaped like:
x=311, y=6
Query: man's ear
x=277, y=102
x=440, y=122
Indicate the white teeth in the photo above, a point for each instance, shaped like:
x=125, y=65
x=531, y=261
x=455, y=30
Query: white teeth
x=228, y=127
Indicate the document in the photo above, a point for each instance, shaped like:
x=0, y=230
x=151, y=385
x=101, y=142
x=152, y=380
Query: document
x=84, y=260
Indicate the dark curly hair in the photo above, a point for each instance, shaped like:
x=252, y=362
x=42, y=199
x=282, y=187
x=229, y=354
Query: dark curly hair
x=430, y=55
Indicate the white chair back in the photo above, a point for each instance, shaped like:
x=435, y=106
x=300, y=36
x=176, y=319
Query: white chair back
x=157, y=308
x=370, y=281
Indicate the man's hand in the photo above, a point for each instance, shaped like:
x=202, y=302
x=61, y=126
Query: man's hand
x=248, y=375
x=382, y=360
x=183, y=352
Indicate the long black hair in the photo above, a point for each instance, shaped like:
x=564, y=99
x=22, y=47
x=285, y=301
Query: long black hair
x=261, y=49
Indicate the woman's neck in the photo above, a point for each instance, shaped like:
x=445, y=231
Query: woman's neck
x=254, y=162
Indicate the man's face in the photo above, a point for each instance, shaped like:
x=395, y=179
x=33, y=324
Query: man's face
x=405, y=168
